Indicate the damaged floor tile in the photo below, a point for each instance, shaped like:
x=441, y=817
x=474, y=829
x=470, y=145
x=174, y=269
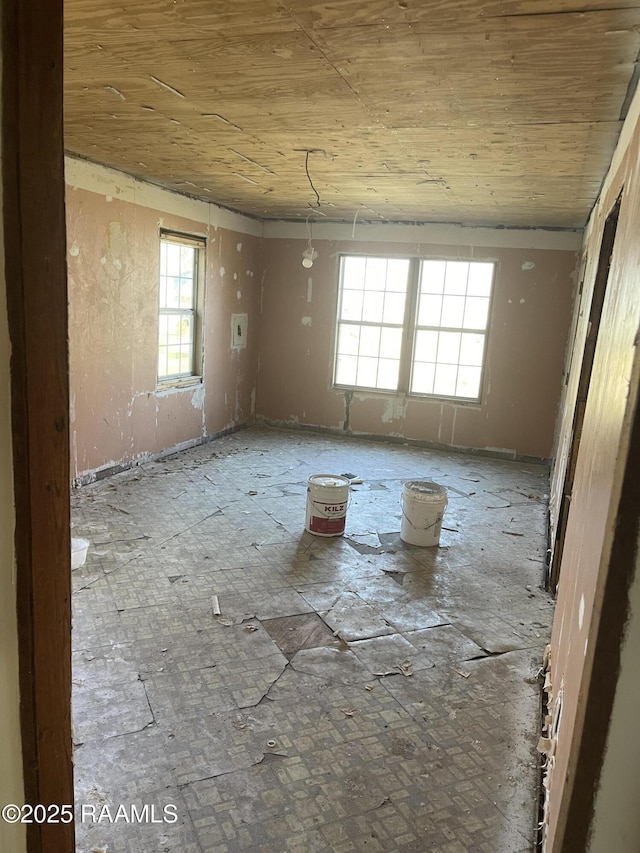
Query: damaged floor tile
x=353, y=694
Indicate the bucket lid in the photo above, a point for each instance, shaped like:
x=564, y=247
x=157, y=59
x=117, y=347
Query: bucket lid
x=328, y=480
x=425, y=489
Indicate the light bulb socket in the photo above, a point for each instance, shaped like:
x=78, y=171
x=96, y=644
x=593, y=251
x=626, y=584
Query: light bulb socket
x=308, y=257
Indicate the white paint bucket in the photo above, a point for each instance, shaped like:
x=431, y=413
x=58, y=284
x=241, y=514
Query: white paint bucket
x=79, y=548
x=327, y=500
x=423, y=505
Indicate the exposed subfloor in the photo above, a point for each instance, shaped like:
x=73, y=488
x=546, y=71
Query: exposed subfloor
x=355, y=694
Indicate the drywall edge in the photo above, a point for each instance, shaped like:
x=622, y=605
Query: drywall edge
x=112, y=184
x=435, y=233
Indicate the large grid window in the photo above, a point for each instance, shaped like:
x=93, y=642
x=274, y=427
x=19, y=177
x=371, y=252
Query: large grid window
x=178, y=316
x=411, y=325
x=371, y=314
x=450, y=331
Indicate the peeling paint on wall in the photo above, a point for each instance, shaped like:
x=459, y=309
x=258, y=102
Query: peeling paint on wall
x=394, y=410
x=528, y=265
x=197, y=398
x=309, y=288
x=74, y=251
x=306, y=321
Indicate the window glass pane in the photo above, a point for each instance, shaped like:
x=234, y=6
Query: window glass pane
x=186, y=292
x=397, y=275
x=353, y=273
x=476, y=313
x=185, y=329
x=432, y=276
x=393, y=308
x=163, y=291
x=468, y=384
x=388, y=370
x=367, y=371
x=472, y=350
x=173, y=293
x=430, y=311
x=348, y=340
x=372, y=307
x=185, y=358
x=390, y=343
x=423, y=377
x=162, y=361
x=370, y=340
x=187, y=257
x=173, y=359
x=173, y=328
x=376, y=274
x=480, y=276
x=351, y=305
x=162, y=331
x=163, y=258
x=449, y=347
x=346, y=368
x=455, y=282
x=426, y=346
x=445, y=381
x=452, y=311
x=173, y=259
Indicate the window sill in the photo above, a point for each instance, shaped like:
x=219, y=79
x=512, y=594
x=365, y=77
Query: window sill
x=185, y=382
x=411, y=395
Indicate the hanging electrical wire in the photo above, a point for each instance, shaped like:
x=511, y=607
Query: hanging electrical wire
x=306, y=168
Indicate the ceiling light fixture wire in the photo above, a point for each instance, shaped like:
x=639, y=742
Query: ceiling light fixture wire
x=306, y=168
x=353, y=230
x=309, y=255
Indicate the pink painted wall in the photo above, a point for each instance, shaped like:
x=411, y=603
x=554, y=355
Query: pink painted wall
x=530, y=317
x=118, y=414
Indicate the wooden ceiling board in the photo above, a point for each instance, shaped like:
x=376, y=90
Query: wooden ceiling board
x=334, y=15
x=496, y=112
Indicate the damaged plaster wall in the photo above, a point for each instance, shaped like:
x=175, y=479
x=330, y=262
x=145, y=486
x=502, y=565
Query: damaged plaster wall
x=595, y=505
x=118, y=415
x=531, y=310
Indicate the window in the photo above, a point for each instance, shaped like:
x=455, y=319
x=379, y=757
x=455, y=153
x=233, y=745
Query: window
x=413, y=325
x=178, y=326
x=373, y=294
x=450, y=329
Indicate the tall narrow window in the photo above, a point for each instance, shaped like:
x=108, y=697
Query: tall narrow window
x=178, y=326
x=451, y=325
x=371, y=314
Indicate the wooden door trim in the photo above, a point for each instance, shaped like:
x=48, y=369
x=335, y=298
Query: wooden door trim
x=35, y=270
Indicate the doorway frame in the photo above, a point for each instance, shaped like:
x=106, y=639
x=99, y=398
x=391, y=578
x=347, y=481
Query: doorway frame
x=596, y=305
x=35, y=270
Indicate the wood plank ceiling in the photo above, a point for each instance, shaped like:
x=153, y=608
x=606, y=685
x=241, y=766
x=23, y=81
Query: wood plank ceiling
x=496, y=112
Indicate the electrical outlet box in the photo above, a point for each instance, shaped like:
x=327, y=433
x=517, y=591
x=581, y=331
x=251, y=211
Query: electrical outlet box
x=239, y=324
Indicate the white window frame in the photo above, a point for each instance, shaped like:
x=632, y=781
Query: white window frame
x=194, y=374
x=411, y=329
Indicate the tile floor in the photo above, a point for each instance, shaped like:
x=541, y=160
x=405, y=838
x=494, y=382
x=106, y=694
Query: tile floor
x=355, y=694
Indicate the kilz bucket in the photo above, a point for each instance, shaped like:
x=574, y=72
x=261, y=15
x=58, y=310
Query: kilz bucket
x=327, y=500
x=423, y=505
